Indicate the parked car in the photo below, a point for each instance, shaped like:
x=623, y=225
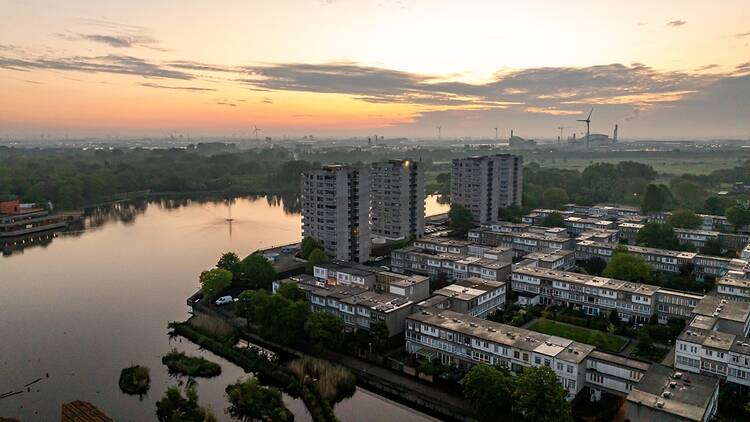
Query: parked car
x=224, y=300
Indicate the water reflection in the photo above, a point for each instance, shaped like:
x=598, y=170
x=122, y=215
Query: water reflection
x=127, y=212
x=91, y=302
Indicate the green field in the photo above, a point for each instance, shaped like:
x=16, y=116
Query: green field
x=603, y=341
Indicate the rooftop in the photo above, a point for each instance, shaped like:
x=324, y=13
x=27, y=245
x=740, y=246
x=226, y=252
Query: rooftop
x=469, y=288
x=719, y=308
x=560, y=348
x=666, y=390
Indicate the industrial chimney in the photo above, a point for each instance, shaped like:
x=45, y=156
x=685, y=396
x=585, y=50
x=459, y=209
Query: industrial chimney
x=614, y=135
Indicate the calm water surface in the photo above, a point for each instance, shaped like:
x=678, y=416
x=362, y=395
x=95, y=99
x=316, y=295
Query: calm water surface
x=83, y=306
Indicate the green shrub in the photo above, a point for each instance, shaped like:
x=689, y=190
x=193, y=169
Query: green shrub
x=182, y=364
x=135, y=380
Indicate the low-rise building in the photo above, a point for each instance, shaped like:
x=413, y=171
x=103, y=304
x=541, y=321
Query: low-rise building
x=661, y=259
x=413, y=287
x=474, y=296
x=360, y=308
x=667, y=395
x=592, y=295
x=577, y=225
x=629, y=231
x=600, y=235
x=452, y=266
x=701, y=350
x=522, y=243
x=463, y=341
x=695, y=238
x=734, y=287
x=728, y=316
x=557, y=260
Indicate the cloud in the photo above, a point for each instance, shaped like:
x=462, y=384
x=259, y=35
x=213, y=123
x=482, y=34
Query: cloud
x=112, y=34
x=197, y=66
x=109, y=25
x=707, y=67
x=540, y=90
x=225, y=103
x=115, y=64
x=180, y=88
x=742, y=35
x=266, y=100
x=112, y=40
x=676, y=23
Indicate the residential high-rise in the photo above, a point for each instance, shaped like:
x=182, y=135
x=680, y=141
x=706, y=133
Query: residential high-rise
x=485, y=184
x=336, y=211
x=398, y=194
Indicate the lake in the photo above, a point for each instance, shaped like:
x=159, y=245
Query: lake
x=76, y=309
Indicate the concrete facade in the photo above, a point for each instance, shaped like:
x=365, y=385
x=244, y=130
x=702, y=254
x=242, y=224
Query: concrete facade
x=398, y=199
x=485, y=184
x=336, y=211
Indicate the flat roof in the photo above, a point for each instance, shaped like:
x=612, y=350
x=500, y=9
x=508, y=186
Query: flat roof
x=664, y=389
x=589, y=280
x=507, y=335
x=381, y=302
x=469, y=288
x=720, y=308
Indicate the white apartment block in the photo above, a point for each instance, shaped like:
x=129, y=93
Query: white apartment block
x=600, y=295
x=398, y=195
x=336, y=211
x=463, y=341
x=485, y=184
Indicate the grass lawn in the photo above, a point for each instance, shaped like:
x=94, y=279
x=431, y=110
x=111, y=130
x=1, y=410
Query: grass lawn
x=603, y=341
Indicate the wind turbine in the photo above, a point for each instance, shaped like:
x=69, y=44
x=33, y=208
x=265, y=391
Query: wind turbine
x=587, y=120
x=439, y=128
x=496, y=134
x=256, y=132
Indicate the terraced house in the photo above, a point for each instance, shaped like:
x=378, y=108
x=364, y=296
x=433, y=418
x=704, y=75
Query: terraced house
x=463, y=341
x=416, y=260
x=600, y=295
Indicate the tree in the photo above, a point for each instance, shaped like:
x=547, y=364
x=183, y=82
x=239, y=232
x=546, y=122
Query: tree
x=688, y=193
x=215, y=281
x=712, y=247
x=249, y=303
x=325, y=329
x=173, y=407
x=251, y=401
x=553, y=220
x=657, y=235
x=628, y=267
x=490, y=391
x=654, y=199
x=460, y=218
x=645, y=342
x=540, y=397
x=684, y=219
x=229, y=262
x=317, y=257
x=714, y=205
x=291, y=291
x=379, y=335
x=307, y=246
x=555, y=197
x=594, y=265
x=256, y=272
x=737, y=216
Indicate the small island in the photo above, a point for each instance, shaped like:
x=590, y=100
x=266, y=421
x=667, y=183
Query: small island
x=193, y=366
x=135, y=380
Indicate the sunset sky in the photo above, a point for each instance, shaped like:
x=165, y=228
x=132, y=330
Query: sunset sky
x=662, y=69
